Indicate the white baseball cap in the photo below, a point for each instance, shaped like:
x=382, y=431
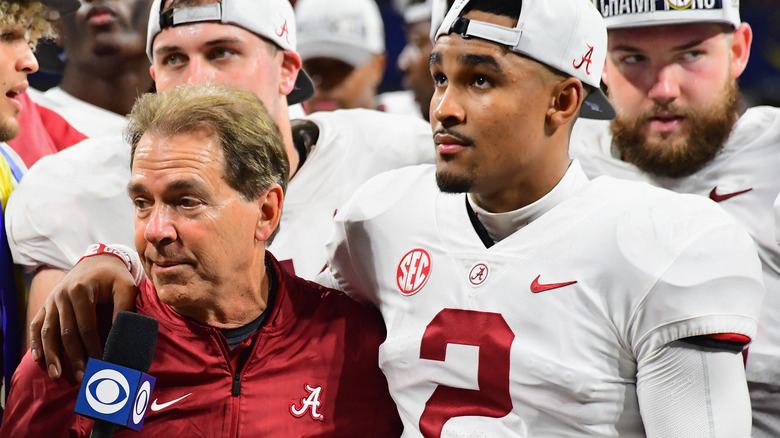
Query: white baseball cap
x=418, y=10
x=348, y=30
x=664, y=12
x=271, y=19
x=567, y=35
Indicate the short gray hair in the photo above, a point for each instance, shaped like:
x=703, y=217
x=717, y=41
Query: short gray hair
x=255, y=157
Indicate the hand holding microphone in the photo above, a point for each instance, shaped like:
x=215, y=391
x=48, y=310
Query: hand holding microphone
x=116, y=390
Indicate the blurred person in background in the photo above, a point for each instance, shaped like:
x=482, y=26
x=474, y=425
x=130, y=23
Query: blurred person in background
x=105, y=66
x=342, y=45
x=413, y=60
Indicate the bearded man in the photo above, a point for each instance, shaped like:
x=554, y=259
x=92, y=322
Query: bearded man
x=671, y=74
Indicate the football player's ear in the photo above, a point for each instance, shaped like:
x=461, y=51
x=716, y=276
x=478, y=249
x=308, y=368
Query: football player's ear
x=565, y=101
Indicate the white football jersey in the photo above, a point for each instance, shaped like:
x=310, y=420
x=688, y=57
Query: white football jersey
x=77, y=197
x=745, y=181
x=540, y=334
x=91, y=120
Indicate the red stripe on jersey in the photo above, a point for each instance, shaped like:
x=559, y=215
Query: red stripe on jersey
x=730, y=337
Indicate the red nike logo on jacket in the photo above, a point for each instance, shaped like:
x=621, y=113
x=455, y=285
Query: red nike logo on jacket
x=537, y=287
x=719, y=198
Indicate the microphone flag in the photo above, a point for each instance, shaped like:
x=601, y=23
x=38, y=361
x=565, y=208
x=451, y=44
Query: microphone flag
x=114, y=393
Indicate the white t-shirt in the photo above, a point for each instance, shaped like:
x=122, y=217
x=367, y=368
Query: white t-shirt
x=77, y=197
x=540, y=334
x=745, y=178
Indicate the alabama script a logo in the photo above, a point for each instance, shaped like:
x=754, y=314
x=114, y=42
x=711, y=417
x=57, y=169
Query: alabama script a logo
x=586, y=60
x=310, y=404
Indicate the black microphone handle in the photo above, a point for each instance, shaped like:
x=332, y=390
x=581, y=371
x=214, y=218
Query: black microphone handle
x=102, y=429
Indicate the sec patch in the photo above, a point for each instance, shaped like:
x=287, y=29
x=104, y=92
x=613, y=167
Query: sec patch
x=413, y=271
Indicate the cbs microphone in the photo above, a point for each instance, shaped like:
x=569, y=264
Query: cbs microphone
x=116, y=391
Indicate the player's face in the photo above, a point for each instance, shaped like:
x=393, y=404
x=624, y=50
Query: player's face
x=105, y=28
x=195, y=234
x=210, y=52
x=674, y=89
x=339, y=85
x=16, y=62
x=488, y=116
x=413, y=61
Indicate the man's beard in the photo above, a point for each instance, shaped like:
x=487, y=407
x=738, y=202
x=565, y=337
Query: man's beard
x=453, y=184
x=678, y=157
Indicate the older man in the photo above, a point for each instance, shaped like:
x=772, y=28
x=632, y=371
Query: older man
x=247, y=43
x=672, y=76
x=245, y=348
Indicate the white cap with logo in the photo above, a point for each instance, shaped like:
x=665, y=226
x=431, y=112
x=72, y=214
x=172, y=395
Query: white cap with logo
x=271, y=19
x=348, y=30
x=567, y=35
x=645, y=13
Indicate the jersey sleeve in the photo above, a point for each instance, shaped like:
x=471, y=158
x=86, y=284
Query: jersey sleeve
x=713, y=286
x=68, y=201
x=690, y=391
x=341, y=273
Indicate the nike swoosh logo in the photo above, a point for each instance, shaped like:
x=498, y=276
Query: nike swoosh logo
x=537, y=287
x=156, y=407
x=720, y=198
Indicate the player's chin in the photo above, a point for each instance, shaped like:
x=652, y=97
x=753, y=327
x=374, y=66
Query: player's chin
x=450, y=181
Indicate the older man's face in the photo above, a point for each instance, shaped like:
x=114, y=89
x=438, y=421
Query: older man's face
x=16, y=62
x=195, y=234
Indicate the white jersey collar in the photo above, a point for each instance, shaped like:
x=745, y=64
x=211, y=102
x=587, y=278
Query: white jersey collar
x=502, y=225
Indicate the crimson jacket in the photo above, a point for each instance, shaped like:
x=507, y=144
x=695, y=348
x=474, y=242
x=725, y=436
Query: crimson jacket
x=317, y=345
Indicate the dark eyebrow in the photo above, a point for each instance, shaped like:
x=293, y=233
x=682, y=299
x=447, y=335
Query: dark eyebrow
x=480, y=60
x=180, y=185
x=434, y=59
x=470, y=60
x=134, y=188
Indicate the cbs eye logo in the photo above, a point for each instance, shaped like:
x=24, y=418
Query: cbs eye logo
x=107, y=391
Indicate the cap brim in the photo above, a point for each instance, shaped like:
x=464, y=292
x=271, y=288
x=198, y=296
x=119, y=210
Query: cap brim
x=597, y=107
x=62, y=6
x=304, y=89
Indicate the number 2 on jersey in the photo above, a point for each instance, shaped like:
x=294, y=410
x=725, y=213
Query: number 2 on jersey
x=489, y=332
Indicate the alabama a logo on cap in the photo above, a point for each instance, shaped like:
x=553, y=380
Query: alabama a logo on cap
x=413, y=271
